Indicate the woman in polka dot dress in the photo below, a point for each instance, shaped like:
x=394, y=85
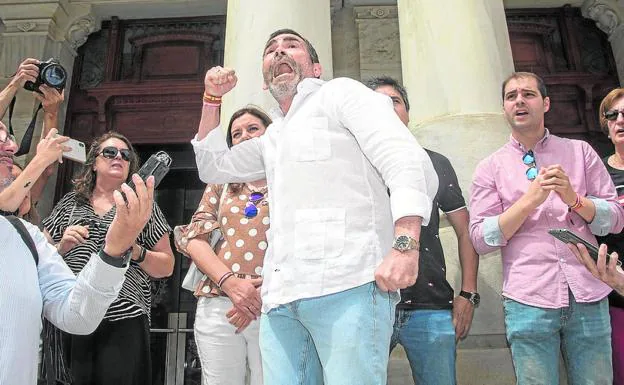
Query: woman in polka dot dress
x=228, y=306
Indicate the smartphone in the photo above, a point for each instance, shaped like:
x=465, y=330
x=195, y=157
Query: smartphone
x=157, y=165
x=77, y=153
x=568, y=236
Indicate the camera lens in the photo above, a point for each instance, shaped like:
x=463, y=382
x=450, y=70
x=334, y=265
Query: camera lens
x=54, y=76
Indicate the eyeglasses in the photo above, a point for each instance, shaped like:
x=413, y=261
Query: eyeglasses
x=613, y=114
x=251, y=208
x=529, y=159
x=111, y=153
x=6, y=137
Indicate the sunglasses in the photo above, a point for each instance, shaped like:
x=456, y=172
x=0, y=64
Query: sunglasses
x=111, y=153
x=529, y=159
x=251, y=208
x=5, y=137
x=613, y=114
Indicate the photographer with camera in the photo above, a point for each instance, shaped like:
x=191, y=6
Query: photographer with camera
x=50, y=97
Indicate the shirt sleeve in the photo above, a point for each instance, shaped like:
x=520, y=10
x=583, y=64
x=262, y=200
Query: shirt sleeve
x=216, y=163
x=74, y=304
x=203, y=222
x=58, y=220
x=154, y=229
x=485, y=207
x=450, y=197
x=390, y=147
x=609, y=217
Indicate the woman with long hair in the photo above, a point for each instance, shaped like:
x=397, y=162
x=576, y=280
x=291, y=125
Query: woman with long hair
x=118, y=352
x=226, y=324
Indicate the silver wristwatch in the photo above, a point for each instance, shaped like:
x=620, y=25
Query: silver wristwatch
x=405, y=243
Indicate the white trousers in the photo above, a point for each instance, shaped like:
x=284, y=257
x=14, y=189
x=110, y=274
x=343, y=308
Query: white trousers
x=225, y=355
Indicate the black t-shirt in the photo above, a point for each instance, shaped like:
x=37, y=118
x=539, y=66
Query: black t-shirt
x=431, y=290
x=615, y=242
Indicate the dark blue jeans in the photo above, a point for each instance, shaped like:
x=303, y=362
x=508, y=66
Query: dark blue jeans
x=428, y=337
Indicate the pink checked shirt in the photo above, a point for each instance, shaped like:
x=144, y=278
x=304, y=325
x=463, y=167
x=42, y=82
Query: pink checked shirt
x=537, y=268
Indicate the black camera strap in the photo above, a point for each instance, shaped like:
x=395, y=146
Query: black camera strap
x=24, y=147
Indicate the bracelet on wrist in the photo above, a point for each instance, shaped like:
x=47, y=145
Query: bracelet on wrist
x=142, y=254
x=577, y=204
x=212, y=99
x=213, y=105
x=224, y=278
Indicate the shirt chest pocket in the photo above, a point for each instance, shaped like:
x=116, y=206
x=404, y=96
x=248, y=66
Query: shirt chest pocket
x=310, y=141
x=319, y=233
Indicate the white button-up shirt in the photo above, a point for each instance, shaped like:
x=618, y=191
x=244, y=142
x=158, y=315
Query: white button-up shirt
x=329, y=164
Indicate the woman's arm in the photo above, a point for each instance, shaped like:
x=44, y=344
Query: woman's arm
x=158, y=262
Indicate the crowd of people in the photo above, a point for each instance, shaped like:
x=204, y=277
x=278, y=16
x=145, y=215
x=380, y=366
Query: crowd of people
x=323, y=289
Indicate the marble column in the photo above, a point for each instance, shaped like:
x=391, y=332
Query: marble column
x=41, y=31
x=249, y=24
x=609, y=17
x=454, y=59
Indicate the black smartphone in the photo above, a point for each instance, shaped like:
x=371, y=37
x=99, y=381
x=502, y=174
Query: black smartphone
x=157, y=165
x=567, y=236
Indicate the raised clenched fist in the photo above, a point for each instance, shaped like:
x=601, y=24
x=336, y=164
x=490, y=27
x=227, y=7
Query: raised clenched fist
x=219, y=81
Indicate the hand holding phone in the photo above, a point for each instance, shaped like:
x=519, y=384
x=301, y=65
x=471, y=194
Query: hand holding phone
x=568, y=236
x=157, y=165
x=77, y=153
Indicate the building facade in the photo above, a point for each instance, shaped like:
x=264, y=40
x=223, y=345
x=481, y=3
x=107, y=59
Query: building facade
x=136, y=66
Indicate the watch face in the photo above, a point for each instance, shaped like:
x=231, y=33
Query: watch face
x=401, y=243
x=476, y=298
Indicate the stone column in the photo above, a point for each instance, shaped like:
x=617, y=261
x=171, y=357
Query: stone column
x=41, y=31
x=249, y=24
x=609, y=17
x=454, y=59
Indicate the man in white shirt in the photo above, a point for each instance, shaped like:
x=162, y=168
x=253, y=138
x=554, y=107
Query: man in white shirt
x=332, y=269
x=39, y=282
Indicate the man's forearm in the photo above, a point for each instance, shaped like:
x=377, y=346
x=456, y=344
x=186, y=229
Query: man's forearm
x=210, y=119
x=512, y=218
x=408, y=226
x=13, y=196
x=6, y=95
x=469, y=261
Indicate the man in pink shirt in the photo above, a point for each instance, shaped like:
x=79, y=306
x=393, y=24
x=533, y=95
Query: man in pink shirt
x=535, y=182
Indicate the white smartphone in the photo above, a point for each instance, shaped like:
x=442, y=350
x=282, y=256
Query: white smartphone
x=77, y=153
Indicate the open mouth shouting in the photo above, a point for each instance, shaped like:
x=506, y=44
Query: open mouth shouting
x=283, y=69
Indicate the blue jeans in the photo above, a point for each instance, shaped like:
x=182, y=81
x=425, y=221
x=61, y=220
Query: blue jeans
x=581, y=332
x=337, y=339
x=428, y=337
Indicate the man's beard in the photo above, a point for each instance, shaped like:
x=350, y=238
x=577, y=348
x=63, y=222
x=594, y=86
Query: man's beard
x=6, y=181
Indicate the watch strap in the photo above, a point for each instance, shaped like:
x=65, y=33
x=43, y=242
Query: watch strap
x=474, y=298
x=142, y=254
x=121, y=261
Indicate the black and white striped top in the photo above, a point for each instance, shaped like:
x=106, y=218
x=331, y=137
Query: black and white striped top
x=135, y=296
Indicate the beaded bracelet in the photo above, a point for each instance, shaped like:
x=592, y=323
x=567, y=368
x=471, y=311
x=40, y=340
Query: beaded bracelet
x=224, y=278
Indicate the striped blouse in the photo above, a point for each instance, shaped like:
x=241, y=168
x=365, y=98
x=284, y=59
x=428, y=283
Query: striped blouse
x=135, y=296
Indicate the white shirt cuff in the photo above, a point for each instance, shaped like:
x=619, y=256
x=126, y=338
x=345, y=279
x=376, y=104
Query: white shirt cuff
x=406, y=202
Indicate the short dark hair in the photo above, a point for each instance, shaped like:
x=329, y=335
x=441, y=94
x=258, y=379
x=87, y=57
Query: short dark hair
x=251, y=110
x=380, y=81
x=313, y=55
x=541, y=86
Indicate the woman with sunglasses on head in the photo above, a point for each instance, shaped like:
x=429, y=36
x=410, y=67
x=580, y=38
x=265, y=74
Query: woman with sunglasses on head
x=611, y=116
x=118, y=352
x=228, y=306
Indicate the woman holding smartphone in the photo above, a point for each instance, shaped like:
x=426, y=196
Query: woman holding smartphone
x=612, y=123
x=118, y=352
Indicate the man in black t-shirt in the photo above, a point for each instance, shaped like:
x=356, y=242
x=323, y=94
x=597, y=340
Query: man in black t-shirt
x=428, y=320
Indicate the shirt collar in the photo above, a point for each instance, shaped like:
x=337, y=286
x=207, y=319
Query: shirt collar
x=542, y=142
x=304, y=88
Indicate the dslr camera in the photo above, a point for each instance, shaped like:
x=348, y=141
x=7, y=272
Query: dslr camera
x=51, y=73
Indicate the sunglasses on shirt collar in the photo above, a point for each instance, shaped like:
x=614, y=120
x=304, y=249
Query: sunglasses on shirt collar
x=529, y=159
x=111, y=152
